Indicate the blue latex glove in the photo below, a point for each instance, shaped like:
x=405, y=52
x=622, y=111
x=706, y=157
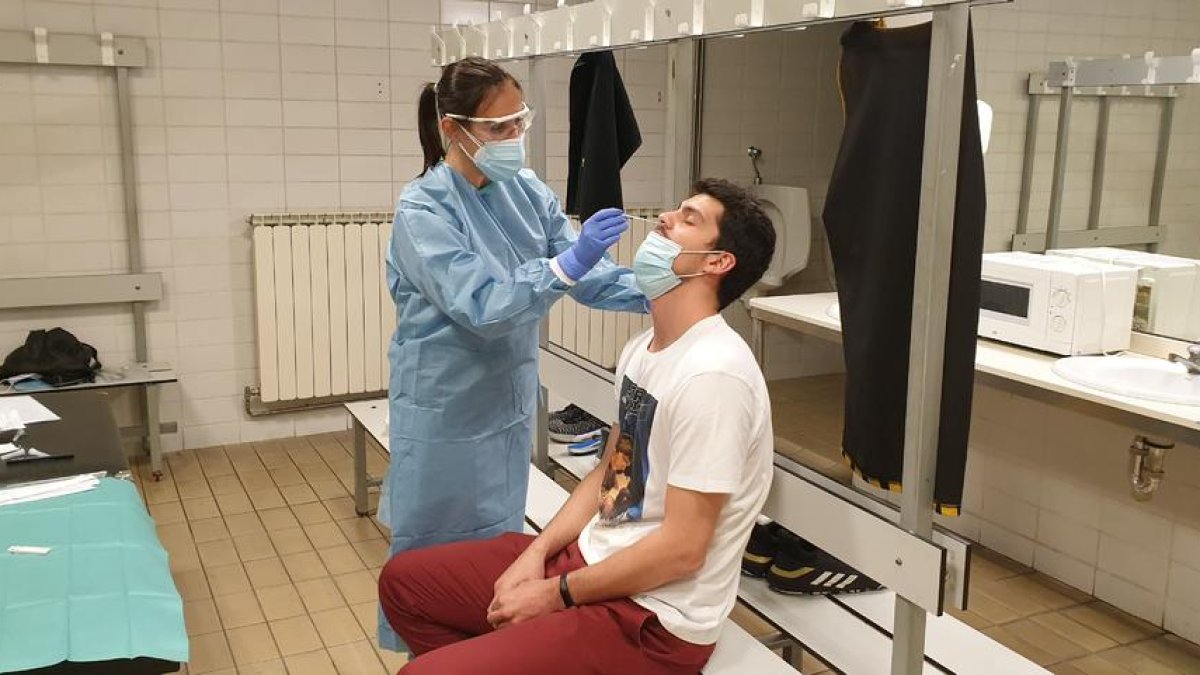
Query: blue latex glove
x=600, y=232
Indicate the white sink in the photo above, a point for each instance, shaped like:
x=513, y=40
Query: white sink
x=1136, y=377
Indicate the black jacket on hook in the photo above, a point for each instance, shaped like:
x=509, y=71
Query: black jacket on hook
x=604, y=135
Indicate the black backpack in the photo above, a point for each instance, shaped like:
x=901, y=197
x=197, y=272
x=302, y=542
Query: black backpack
x=55, y=355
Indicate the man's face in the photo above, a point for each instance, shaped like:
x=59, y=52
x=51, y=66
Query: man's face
x=695, y=227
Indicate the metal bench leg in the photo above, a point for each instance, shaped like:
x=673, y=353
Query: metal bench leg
x=153, y=430
x=360, y=469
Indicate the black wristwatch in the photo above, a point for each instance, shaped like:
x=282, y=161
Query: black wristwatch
x=565, y=592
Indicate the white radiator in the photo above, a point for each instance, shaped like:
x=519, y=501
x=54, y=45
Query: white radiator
x=324, y=315
x=599, y=336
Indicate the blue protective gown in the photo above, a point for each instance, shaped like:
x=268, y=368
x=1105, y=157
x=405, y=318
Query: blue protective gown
x=469, y=270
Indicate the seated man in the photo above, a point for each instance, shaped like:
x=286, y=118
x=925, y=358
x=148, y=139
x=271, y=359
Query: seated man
x=638, y=570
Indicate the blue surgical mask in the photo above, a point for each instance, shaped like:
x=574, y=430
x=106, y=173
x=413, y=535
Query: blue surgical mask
x=498, y=160
x=654, y=262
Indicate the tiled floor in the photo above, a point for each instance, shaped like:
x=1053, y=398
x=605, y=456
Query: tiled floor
x=276, y=571
x=278, y=574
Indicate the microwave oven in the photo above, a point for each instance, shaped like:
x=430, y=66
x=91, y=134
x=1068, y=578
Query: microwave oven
x=1168, y=297
x=1056, y=304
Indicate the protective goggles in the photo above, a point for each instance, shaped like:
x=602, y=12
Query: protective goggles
x=500, y=127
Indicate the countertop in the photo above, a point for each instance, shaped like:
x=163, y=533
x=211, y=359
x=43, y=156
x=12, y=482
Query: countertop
x=808, y=314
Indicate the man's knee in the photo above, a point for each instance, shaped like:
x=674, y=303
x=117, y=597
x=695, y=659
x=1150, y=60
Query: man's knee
x=395, y=577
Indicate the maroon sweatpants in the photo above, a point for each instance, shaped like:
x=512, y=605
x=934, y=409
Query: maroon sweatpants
x=436, y=599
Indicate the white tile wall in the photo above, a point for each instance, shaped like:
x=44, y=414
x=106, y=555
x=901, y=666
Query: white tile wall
x=246, y=106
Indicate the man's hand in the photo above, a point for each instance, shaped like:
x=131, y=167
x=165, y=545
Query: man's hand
x=529, y=566
x=528, y=600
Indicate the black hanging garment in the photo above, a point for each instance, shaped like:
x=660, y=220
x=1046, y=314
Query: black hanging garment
x=604, y=135
x=871, y=218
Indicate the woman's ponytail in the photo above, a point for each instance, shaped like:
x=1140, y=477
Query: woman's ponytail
x=427, y=127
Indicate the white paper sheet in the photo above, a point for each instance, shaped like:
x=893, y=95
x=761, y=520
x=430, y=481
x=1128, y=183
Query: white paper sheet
x=48, y=489
x=30, y=410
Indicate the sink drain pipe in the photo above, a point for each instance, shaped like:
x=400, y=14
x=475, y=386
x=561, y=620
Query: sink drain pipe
x=1146, y=465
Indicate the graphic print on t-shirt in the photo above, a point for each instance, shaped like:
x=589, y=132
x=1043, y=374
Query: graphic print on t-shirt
x=624, y=485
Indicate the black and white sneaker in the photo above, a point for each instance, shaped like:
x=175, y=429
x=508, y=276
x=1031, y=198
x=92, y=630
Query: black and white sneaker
x=574, y=424
x=799, y=568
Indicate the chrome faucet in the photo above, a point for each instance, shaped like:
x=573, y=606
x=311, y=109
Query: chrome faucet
x=1191, y=361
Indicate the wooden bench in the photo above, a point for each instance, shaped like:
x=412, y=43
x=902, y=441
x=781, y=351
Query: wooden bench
x=737, y=652
x=104, y=289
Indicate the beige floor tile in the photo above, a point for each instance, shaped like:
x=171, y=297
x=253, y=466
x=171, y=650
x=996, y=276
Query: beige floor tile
x=184, y=557
x=1138, y=662
x=200, y=617
x=280, y=602
x=1032, y=652
x=356, y=587
x=276, y=459
x=239, y=609
x=251, y=644
x=272, y=667
x=266, y=572
x=165, y=513
x=312, y=663
x=1112, y=623
x=374, y=553
x=1172, y=651
x=990, y=609
x=305, y=455
x=1037, y=589
x=208, y=654
x=281, y=518
x=209, y=529
x=298, y=494
x=286, y=476
x=340, y=559
x=253, y=547
x=289, y=541
x=987, y=565
x=341, y=508
x=1058, y=646
x=337, y=626
x=256, y=481
x=217, y=553
x=319, y=594
x=234, y=503
x=969, y=617
x=304, y=566
x=311, y=513
x=217, y=468
x=367, y=614
x=244, y=523
x=174, y=534
x=228, y=579
x=1096, y=664
x=204, y=507
x=356, y=657
x=192, y=584
x=1074, y=631
x=358, y=529
x=329, y=489
x=162, y=492
x=225, y=485
x=269, y=498
x=1065, y=668
x=296, y=635
x=193, y=489
x=325, y=535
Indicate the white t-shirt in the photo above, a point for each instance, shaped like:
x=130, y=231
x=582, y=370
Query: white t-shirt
x=695, y=415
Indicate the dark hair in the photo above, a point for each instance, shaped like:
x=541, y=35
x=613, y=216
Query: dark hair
x=463, y=86
x=745, y=231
